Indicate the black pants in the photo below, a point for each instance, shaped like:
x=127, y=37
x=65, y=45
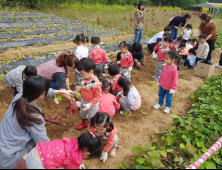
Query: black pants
x=212, y=47
x=185, y=41
x=184, y=57
x=119, y=56
x=151, y=46
x=220, y=62
x=15, y=91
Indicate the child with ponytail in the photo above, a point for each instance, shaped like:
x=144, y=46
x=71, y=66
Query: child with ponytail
x=168, y=81
x=102, y=127
x=130, y=98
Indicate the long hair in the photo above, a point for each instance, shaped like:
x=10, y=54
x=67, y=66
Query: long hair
x=125, y=84
x=33, y=87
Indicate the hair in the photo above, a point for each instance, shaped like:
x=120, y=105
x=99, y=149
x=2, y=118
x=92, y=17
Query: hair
x=80, y=38
x=141, y=3
x=189, y=26
x=124, y=44
x=105, y=85
x=183, y=44
x=205, y=17
x=167, y=35
x=204, y=36
x=168, y=28
x=190, y=40
x=194, y=40
x=192, y=51
x=90, y=143
x=67, y=60
x=179, y=39
x=30, y=71
x=187, y=16
x=168, y=39
x=33, y=87
x=102, y=119
x=125, y=84
x=113, y=69
x=137, y=47
x=86, y=64
x=95, y=40
x=173, y=55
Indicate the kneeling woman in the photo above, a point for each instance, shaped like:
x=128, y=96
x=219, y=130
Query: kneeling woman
x=23, y=125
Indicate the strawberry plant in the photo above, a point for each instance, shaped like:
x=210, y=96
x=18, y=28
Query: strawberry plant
x=188, y=138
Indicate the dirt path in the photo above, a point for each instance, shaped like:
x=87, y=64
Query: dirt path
x=133, y=131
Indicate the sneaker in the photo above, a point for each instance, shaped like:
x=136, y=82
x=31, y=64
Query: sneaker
x=105, y=75
x=218, y=66
x=112, y=152
x=154, y=57
x=128, y=113
x=157, y=106
x=181, y=61
x=167, y=110
x=184, y=66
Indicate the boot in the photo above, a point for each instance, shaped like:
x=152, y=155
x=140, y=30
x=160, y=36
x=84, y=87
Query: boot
x=83, y=125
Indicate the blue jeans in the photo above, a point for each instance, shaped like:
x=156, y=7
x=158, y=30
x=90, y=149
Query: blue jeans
x=174, y=33
x=53, y=86
x=199, y=59
x=220, y=62
x=138, y=35
x=169, y=97
x=187, y=63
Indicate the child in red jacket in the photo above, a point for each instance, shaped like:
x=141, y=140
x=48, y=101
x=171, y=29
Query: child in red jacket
x=107, y=132
x=99, y=56
x=126, y=60
x=162, y=48
x=91, y=91
x=108, y=103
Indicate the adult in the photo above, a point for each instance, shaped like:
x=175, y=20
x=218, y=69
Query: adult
x=57, y=71
x=16, y=77
x=158, y=37
x=220, y=62
x=23, y=125
x=178, y=23
x=139, y=20
x=208, y=27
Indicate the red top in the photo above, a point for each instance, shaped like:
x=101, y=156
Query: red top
x=98, y=55
x=91, y=91
x=169, y=77
x=115, y=85
x=161, y=51
x=126, y=60
x=108, y=104
x=63, y=153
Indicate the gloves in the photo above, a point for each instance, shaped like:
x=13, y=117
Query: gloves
x=118, y=62
x=172, y=91
x=158, y=84
x=104, y=157
x=130, y=68
x=154, y=55
x=82, y=166
x=78, y=104
x=86, y=107
x=56, y=100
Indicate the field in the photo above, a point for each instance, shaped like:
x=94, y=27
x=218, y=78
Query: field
x=132, y=131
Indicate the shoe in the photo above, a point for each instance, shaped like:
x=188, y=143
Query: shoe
x=184, y=66
x=181, y=61
x=157, y=106
x=127, y=113
x=105, y=75
x=154, y=57
x=167, y=110
x=83, y=125
x=218, y=66
x=112, y=152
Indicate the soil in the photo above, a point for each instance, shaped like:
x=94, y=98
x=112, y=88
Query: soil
x=133, y=131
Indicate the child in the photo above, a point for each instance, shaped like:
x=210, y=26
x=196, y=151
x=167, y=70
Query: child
x=81, y=52
x=189, y=43
x=67, y=153
x=91, y=91
x=195, y=41
x=108, y=103
x=187, y=32
x=162, y=47
x=99, y=56
x=203, y=48
x=126, y=60
x=16, y=77
x=191, y=60
x=102, y=127
x=130, y=98
x=115, y=73
x=184, y=51
x=176, y=43
x=168, y=81
x=138, y=54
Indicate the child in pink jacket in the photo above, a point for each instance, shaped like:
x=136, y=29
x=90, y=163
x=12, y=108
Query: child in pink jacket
x=67, y=153
x=99, y=56
x=108, y=103
x=168, y=81
x=184, y=51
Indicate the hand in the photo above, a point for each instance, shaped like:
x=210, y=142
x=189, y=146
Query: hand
x=158, y=84
x=203, y=55
x=119, y=93
x=108, y=80
x=154, y=54
x=195, y=51
x=78, y=104
x=104, y=157
x=118, y=62
x=123, y=96
x=82, y=166
x=86, y=107
x=130, y=68
x=67, y=92
x=172, y=91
